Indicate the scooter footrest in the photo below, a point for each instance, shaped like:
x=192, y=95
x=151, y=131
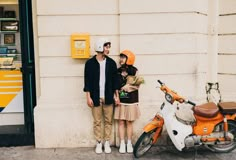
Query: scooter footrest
x=227, y=107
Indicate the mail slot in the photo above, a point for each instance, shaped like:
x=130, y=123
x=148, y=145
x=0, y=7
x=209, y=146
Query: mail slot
x=80, y=45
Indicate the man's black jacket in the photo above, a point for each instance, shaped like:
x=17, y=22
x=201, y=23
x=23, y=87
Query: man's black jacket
x=91, y=80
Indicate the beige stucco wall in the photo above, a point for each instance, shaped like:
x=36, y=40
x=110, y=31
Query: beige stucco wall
x=169, y=37
x=227, y=49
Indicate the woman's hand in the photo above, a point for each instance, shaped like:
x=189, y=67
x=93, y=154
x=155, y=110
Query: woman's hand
x=126, y=87
x=117, y=100
x=129, y=88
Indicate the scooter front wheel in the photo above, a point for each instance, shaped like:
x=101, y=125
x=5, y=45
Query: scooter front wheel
x=144, y=143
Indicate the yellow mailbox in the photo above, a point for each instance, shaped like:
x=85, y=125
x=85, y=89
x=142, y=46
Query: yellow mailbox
x=80, y=45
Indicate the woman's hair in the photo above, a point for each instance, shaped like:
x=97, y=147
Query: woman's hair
x=131, y=70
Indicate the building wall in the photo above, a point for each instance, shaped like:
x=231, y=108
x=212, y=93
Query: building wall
x=62, y=118
x=227, y=49
x=168, y=37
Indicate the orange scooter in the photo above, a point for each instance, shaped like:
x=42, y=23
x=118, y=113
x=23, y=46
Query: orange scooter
x=211, y=125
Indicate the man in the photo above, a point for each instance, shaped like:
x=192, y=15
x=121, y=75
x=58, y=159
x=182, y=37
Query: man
x=100, y=85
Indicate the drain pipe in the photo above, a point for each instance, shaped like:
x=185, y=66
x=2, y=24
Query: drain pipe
x=212, y=86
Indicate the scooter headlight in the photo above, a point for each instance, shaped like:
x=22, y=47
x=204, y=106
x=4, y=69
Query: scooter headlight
x=169, y=98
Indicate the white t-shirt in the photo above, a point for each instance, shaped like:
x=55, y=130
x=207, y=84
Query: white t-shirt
x=102, y=79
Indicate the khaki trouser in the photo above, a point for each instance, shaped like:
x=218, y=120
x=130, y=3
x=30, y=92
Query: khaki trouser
x=105, y=111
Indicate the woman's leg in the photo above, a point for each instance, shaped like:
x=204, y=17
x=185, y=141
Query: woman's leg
x=129, y=129
x=122, y=136
x=122, y=129
x=129, y=135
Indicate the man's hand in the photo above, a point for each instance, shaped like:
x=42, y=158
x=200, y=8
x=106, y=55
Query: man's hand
x=90, y=102
x=89, y=99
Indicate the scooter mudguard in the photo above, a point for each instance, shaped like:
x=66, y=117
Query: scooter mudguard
x=157, y=122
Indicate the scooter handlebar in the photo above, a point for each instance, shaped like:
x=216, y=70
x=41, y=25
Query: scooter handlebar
x=190, y=102
x=160, y=82
x=177, y=97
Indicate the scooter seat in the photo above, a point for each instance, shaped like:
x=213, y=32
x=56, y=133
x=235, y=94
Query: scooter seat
x=207, y=110
x=227, y=107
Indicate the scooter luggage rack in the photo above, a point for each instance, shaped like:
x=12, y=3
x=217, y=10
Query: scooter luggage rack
x=227, y=107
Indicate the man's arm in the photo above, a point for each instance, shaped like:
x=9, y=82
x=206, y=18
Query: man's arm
x=86, y=85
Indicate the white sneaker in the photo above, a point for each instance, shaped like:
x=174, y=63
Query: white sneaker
x=129, y=148
x=122, y=148
x=107, y=147
x=98, y=149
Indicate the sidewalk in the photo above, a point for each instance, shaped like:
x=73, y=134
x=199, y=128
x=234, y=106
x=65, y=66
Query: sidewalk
x=156, y=152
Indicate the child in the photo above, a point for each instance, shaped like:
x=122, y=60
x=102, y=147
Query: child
x=128, y=111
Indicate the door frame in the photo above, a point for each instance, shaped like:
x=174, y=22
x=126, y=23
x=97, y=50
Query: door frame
x=21, y=135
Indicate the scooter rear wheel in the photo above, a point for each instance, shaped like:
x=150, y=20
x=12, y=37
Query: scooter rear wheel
x=144, y=143
x=223, y=148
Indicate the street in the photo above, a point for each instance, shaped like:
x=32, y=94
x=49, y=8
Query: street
x=156, y=152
